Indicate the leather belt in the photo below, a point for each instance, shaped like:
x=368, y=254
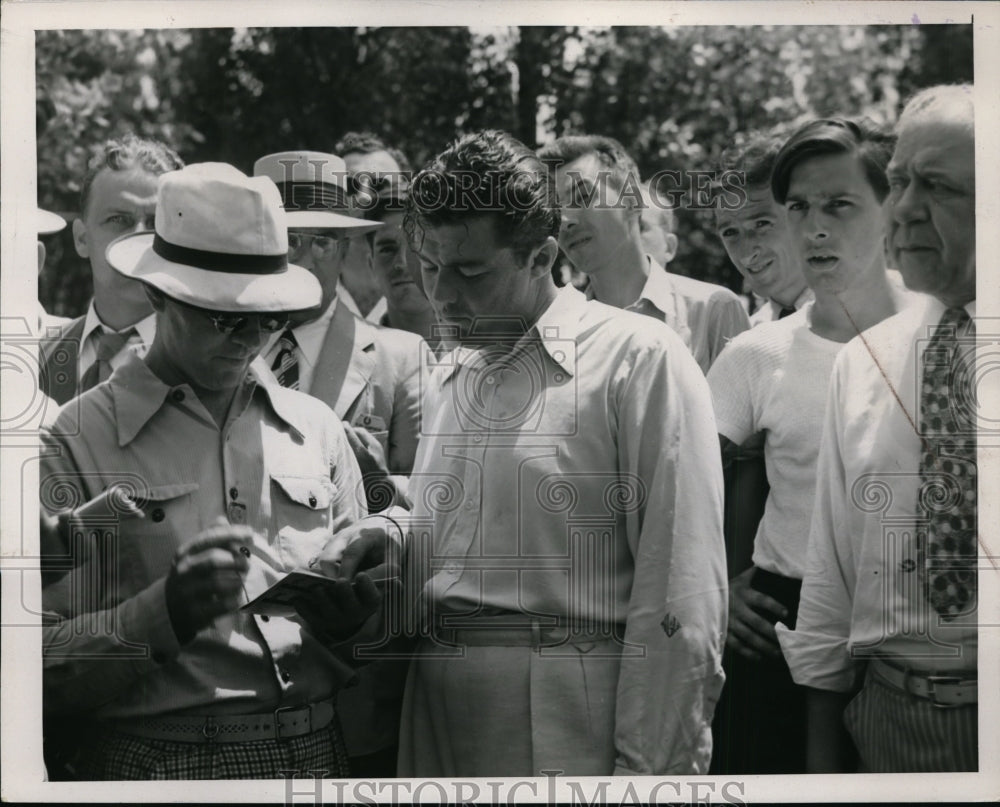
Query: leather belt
x=503, y=632
x=943, y=690
x=281, y=724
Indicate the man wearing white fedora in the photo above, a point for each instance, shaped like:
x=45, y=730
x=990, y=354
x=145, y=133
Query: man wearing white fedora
x=369, y=376
x=226, y=481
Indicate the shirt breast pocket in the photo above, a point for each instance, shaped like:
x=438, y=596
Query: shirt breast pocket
x=148, y=545
x=376, y=427
x=300, y=513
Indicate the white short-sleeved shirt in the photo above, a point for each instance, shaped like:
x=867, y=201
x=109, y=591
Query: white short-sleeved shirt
x=774, y=378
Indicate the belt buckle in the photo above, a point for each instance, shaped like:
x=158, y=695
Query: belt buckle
x=277, y=719
x=211, y=729
x=945, y=680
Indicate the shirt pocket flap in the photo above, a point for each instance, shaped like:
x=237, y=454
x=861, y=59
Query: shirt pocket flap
x=372, y=423
x=309, y=491
x=160, y=494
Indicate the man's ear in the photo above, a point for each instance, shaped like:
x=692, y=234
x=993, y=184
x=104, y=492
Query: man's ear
x=672, y=244
x=80, y=238
x=155, y=297
x=543, y=257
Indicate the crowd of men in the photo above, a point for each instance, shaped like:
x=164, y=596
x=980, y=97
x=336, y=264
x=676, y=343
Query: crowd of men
x=612, y=526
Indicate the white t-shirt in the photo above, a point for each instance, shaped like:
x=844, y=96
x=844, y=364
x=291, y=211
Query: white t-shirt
x=775, y=377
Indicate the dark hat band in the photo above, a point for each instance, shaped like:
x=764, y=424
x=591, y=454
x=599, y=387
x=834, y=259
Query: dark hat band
x=310, y=196
x=221, y=261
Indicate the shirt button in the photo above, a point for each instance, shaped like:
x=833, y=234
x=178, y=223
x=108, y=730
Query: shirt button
x=470, y=505
x=477, y=438
x=233, y=493
x=285, y=675
x=158, y=515
x=312, y=501
x=177, y=395
x=245, y=551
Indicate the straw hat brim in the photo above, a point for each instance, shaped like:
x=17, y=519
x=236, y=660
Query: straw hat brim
x=328, y=220
x=48, y=223
x=295, y=289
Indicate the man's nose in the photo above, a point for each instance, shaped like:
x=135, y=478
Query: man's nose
x=815, y=225
x=251, y=336
x=441, y=290
x=907, y=205
x=145, y=223
x=748, y=249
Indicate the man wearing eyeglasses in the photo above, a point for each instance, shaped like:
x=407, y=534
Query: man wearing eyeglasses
x=369, y=376
x=198, y=483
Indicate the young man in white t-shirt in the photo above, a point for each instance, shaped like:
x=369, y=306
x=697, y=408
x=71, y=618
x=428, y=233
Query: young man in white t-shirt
x=830, y=176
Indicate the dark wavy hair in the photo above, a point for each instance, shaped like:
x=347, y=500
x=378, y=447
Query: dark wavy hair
x=871, y=143
x=488, y=173
x=121, y=154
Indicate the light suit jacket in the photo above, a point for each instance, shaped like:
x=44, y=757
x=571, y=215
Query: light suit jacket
x=371, y=377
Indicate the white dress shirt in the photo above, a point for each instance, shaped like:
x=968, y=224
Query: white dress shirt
x=862, y=596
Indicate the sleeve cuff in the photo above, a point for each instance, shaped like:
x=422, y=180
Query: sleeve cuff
x=145, y=620
x=731, y=432
x=817, y=660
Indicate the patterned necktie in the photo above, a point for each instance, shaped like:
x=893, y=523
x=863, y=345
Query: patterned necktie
x=286, y=361
x=947, y=555
x=109, y=344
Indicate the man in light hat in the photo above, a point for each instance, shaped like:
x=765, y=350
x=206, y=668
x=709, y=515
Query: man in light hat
x=225, y=481
x=369, y=376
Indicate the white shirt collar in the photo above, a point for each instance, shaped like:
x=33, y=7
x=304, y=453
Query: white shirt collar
x=145, y=327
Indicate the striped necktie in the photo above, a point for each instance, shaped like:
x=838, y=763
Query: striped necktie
x=947, y=553
x=286, y=361
x=109, y=345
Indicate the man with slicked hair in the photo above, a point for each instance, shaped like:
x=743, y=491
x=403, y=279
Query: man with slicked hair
x=566, y=560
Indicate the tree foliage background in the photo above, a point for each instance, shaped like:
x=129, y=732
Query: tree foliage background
x=676, y=97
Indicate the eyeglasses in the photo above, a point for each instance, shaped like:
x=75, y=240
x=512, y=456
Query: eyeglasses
x=231, y=323
x=297, y=240
x=227, y=323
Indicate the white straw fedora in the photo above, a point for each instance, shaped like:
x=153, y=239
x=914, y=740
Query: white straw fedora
x=221, y=242
x=313, y=187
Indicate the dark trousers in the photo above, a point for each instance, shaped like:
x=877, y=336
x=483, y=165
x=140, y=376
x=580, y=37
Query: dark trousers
x=760, y=720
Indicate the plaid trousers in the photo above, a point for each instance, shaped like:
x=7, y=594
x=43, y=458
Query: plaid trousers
x=113, y=755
